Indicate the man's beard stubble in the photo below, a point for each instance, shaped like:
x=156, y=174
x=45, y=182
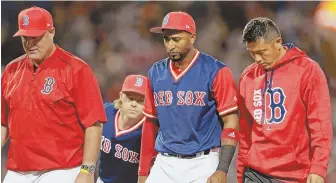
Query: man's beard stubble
x=182, y=56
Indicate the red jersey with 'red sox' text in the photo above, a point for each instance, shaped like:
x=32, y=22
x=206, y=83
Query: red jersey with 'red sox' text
x=48, y=111
x=286, y=133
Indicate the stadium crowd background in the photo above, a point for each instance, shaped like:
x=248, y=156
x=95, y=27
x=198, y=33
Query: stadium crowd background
x=114, y=38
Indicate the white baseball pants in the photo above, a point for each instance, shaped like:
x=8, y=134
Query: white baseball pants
x=168, y=169
x=54, y=176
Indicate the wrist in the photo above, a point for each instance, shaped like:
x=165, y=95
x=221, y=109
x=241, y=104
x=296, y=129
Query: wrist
x=143, y=173
x=225, y=156
x=222, y=171
x=88, y=169
x=318, y=170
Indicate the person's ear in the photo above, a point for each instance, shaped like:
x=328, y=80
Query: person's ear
x=193, y=38
x=278, y=43
x=51, y=33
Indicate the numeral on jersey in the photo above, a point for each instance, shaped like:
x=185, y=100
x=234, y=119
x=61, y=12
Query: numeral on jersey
x=105, y=144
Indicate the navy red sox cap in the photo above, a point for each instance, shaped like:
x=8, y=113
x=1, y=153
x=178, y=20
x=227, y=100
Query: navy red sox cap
x=34, y=22
x=176, y=21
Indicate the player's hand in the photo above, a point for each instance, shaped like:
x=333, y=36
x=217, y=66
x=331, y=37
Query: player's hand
x=142, y=179
x=217, y=177
x=84, y=178
x=314, y=178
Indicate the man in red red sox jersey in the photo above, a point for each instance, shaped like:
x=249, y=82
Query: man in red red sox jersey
x=285, y=120
x=51, y=109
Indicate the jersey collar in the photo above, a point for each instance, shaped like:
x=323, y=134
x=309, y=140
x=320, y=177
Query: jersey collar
x=119, y=132
x=176, y=76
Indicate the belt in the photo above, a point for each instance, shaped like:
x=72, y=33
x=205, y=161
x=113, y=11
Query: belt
x=190, y=156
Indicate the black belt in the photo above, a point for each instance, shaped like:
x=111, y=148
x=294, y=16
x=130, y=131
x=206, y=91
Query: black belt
x=189, y=156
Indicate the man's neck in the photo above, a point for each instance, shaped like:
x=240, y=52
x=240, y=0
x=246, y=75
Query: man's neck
x=282, y=54
x=51, y=51
x=185, y=62
x=125, y=123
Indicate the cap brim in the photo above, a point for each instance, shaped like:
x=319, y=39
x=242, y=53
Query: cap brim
x=160, y=29
x=156, y=30
x=29, y=33
x=133, y=91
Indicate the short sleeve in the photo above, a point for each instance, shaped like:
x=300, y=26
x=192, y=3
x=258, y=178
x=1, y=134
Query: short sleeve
x=149, y=108
x=4, y=106
x=225, y=92
x=87, y=98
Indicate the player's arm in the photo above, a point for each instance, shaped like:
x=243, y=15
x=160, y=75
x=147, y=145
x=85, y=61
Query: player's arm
x=90, y=111
x=92, y=144
x=245, y=129
x=4, y=128
x=147, y=151
x=149, y=132
x=225, y=94
x=4, y=135
x=4, y=113
x=315, y=92
x=96, y=174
